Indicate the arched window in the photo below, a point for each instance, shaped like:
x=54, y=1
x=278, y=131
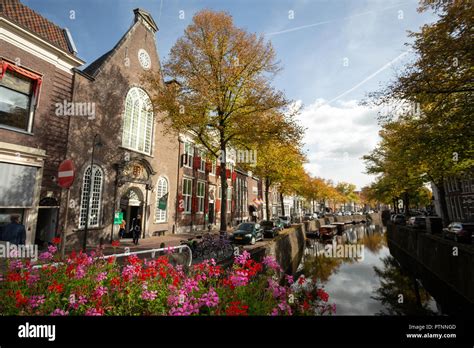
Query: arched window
x=137, y=121
x=93, y=181
x=161, y=200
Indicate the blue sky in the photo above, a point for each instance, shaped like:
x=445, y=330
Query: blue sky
x=332, y=52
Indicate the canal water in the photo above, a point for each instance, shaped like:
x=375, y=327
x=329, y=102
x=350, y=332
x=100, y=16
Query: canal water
x=362, y=278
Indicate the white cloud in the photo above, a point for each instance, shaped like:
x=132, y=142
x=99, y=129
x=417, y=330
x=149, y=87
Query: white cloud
x=336, y=138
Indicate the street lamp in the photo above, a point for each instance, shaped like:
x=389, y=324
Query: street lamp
x=95, y=143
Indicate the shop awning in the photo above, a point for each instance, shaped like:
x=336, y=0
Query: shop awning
x=37, y=79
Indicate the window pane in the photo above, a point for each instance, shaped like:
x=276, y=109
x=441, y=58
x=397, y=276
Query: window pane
x=17, y=82
x=14, y=108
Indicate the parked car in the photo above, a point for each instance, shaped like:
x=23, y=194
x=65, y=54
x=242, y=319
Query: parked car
x=278, y=223
x=308, y=217
x=399, y=219
x=248, y=232
x=417, y=222
x=339, y=213
x=285, y=220
x=270, y=229
x=459, y=231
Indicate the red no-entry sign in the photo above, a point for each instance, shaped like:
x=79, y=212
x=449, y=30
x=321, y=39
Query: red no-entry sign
x=66, y=174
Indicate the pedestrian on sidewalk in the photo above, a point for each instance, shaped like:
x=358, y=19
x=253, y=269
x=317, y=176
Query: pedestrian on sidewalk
x=14, y=232
x=136, y=228
x=123, y=225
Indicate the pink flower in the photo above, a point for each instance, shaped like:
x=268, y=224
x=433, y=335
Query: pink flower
x=45, y=256
x=35, y=301
x=15, y=264
x=101, y=276
x=149, y=295
x=209, y=299
x=239, y=278
x=100, y=291
x=271, y=263
x=94, y=312
x=240, y=259
x=52, y=249
x=59, y=312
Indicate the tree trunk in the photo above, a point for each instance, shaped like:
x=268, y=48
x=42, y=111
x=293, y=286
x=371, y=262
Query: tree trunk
x=442, y=202
x=223, y=228
x=267, y=203
x=282, y=205
x=406, y=203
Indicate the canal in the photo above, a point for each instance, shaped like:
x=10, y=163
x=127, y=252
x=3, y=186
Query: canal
x=362, y=278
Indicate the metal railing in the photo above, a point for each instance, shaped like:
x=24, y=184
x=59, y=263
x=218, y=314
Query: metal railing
x=129, y=253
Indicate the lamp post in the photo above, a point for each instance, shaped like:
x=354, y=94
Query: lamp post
x=96, y=142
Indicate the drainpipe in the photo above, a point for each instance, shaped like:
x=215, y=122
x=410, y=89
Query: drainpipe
x=147, y=186
x=175, y=227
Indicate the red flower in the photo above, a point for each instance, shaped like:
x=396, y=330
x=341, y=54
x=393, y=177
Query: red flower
x=115, y=282
x=20, y=299
x=301, y=280
x=14, y=277
x=56, y=287
x=236, y=308
x=115, y=243
x=323, y=295
x=56, y=240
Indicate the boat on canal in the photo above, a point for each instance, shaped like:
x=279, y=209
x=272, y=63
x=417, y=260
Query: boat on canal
x=339, y=226
x=327, y=231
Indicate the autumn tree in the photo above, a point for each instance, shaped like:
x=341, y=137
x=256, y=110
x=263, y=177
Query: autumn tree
x=347, y=192
x=438, y=129
x=223, y=93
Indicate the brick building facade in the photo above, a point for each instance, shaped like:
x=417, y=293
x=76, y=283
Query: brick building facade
x=135, y=160
x=102, y=119
x=37, y=59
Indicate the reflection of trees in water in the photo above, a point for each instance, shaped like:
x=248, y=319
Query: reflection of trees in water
x=374, y=242
x=395, y=281
x=321, y=267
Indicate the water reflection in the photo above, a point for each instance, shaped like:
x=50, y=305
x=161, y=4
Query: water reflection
x=371, y=285
x=400, y=292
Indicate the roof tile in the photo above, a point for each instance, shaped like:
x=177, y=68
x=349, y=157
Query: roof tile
x=34, y=22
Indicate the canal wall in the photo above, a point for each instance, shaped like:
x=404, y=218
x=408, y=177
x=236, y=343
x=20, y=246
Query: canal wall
x=446, y=268
x=287, y=248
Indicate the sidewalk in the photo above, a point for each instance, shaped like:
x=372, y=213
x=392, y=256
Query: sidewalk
x=149, y=242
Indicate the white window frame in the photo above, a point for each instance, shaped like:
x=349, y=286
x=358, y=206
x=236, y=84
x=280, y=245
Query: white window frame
x=189, y=153
x=95, y=200
x=162, y=188
x=202, y=164
x=200, y=196
x=213, y=167
x=137, y=129
x=31, y=111
x=229, y=199
x=187, y=196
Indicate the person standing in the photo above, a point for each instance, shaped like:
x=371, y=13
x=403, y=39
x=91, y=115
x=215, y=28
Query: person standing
x=14, y=232
x=136, y=228
x=123, y=225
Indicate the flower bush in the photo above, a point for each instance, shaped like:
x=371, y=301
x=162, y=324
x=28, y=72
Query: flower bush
x=89, y=284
